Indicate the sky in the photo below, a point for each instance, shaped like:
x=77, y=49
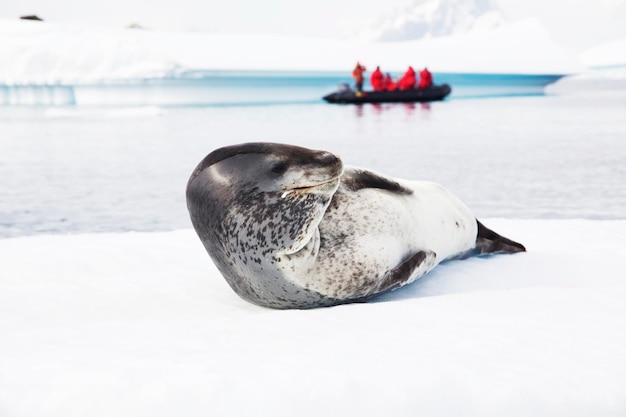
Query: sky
x=576, y=24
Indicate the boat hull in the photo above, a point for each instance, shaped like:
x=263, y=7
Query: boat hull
x=434, y=93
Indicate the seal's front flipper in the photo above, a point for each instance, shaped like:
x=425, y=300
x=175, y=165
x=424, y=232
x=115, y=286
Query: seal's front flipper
x=409, y=270
x=356, y=179
x=488, y=242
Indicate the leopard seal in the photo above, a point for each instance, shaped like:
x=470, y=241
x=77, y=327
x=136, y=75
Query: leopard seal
x=291, y=227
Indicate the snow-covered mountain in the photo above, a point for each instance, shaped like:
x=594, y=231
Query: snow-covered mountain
x=433, y=18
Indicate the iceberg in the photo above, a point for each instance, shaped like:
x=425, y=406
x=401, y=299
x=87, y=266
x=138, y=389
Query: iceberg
x=605, y=74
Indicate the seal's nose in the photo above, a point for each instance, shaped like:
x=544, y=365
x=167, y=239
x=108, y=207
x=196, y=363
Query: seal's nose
x=329, y=160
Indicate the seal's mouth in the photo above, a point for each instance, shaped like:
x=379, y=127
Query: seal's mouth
x=299, y=189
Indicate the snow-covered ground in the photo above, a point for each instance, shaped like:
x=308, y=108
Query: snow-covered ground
x=142, y=324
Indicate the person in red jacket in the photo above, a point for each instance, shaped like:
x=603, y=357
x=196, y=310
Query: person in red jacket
x=376, y=79
x=388, y=83
x=357, y=74
x=407, y=82
x=426, y=79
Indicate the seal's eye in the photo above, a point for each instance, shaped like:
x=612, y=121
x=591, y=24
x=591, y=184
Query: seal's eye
x=279, y=168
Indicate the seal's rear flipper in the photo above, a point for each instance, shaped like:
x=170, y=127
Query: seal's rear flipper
x=488, y=242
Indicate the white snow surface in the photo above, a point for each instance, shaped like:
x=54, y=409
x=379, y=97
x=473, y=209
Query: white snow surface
x=606, y=54
x=44, y=53
x=605, y=74
x=142, y=324
x=432, y=18
x=599, y=82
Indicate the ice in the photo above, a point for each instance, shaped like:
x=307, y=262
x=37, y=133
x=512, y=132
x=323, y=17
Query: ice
x=596, y=82
x=426, y=19
x=142, y=324
x=28, y=95
x=607, y=54
x=42, y=53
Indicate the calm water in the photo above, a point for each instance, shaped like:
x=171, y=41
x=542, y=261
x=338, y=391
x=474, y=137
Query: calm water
x=100, y=169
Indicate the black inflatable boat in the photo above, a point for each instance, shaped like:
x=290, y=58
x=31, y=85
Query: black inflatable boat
x=346, y=95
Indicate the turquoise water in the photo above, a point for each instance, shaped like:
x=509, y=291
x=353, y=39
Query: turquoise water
x=228, y=88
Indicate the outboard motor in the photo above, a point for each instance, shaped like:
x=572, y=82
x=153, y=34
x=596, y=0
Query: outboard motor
x=343, y=88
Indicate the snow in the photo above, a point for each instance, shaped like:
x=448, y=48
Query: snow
x=141, y=324
x=433, y=18
x=599, y=82
x=523, y=47
x=48, y=54
x=42, y=53
x=605, y=73
x=606, y=54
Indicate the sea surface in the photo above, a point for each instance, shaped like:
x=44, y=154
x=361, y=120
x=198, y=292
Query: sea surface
x=122, y=165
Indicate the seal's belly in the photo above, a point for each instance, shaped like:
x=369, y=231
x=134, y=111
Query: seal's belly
x=366, y=233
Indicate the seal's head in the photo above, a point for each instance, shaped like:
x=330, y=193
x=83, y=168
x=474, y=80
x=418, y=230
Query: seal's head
x=256, y=208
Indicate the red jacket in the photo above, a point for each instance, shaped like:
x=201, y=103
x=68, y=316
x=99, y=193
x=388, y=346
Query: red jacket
x=357, y=73
x=388, y=84
x=426, y=79
x=376, y=80
x=407, y=82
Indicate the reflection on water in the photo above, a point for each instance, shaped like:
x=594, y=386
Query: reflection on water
x=379, y=108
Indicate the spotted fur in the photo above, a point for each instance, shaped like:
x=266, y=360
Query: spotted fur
x=290, y=227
